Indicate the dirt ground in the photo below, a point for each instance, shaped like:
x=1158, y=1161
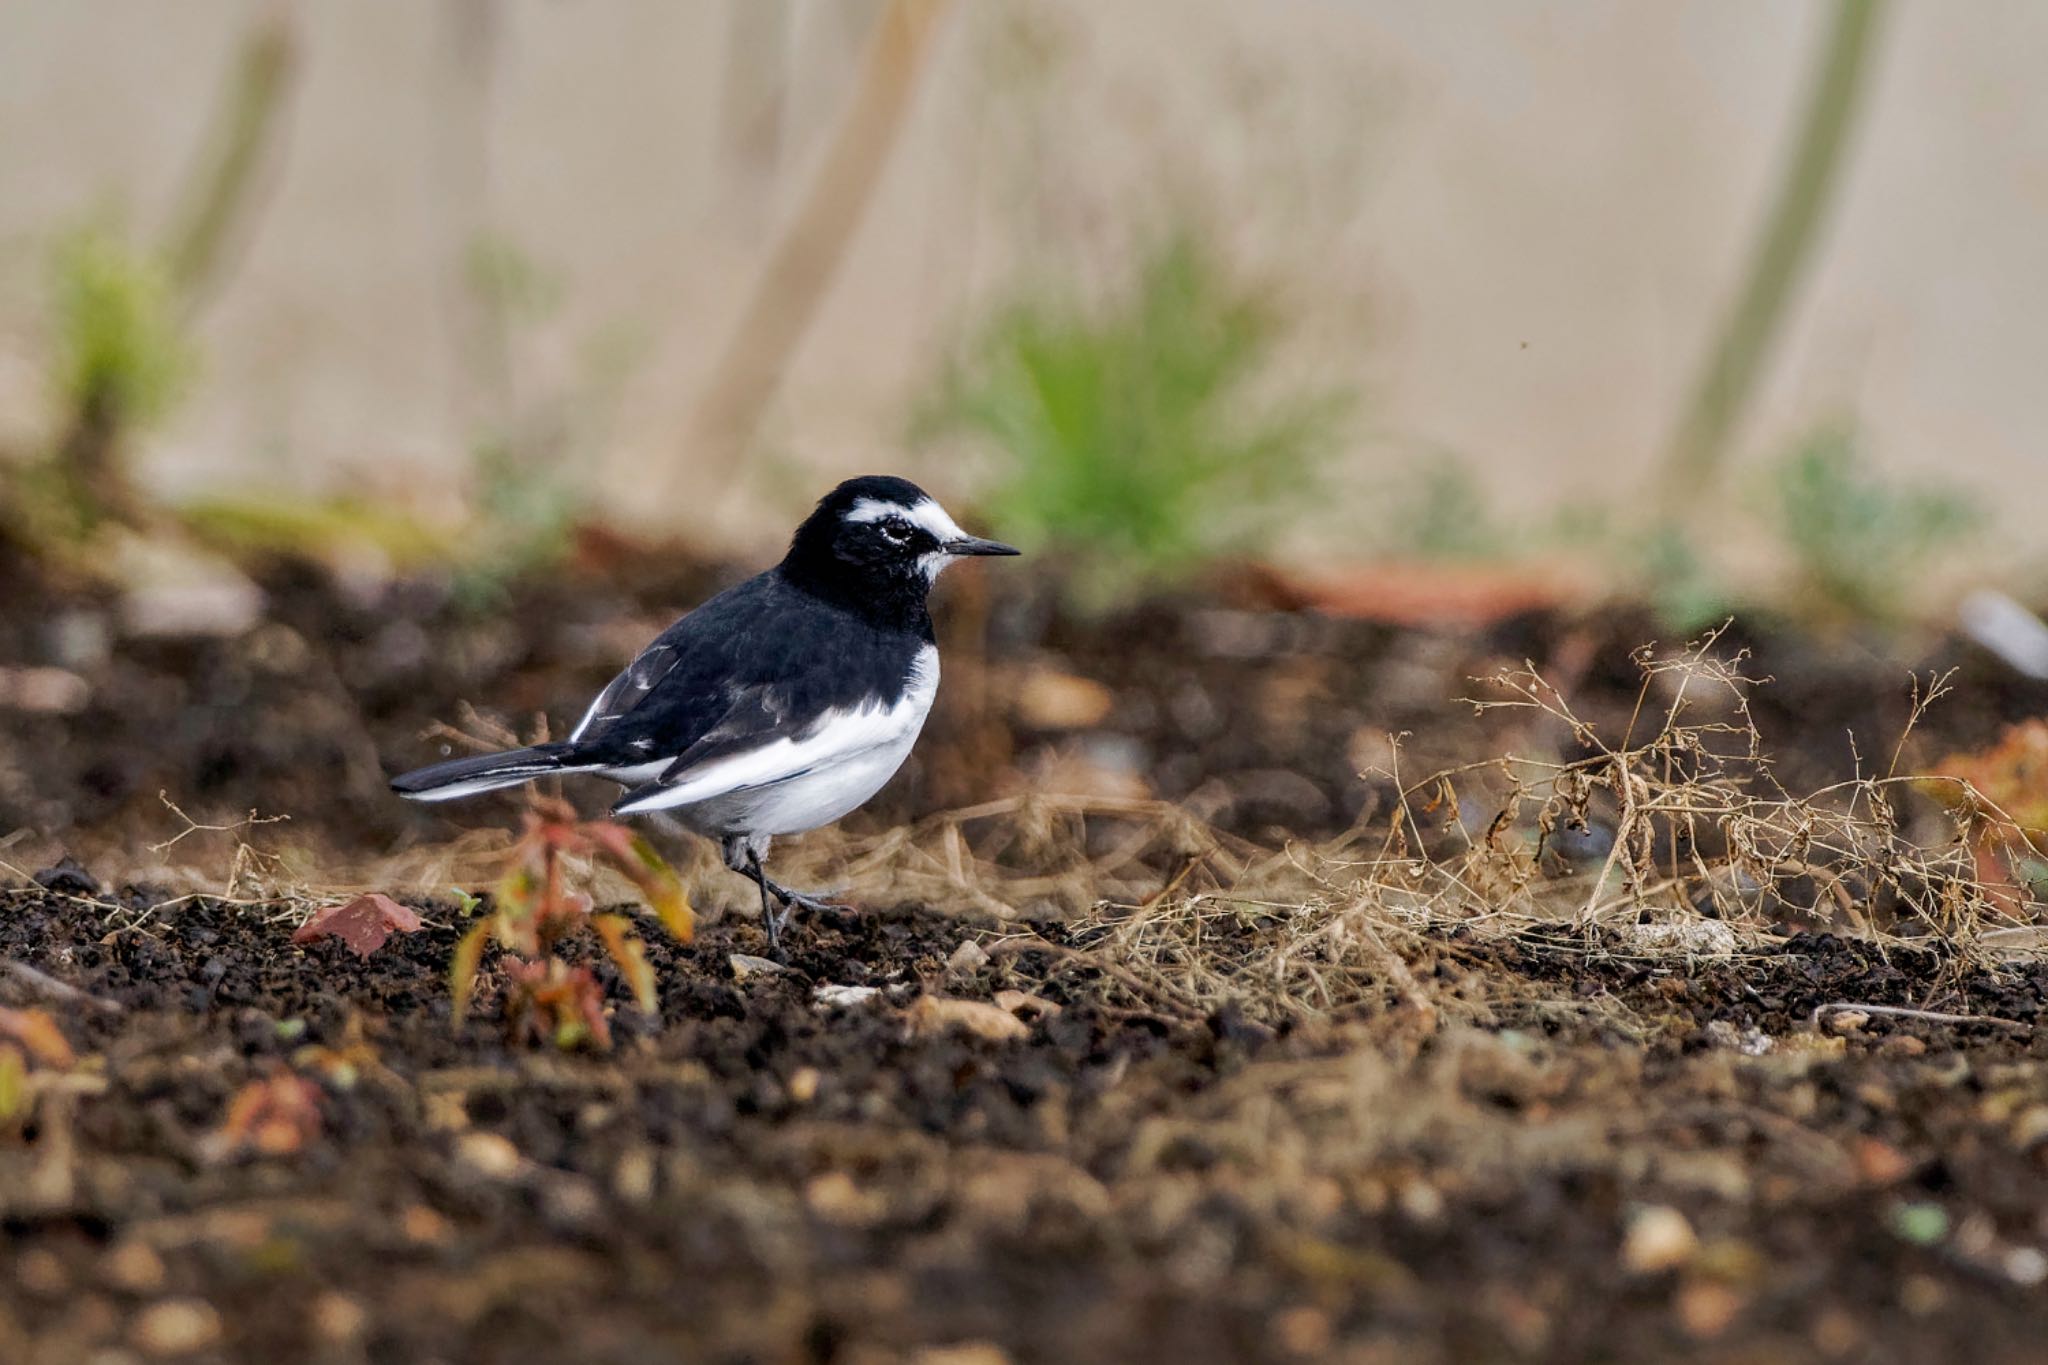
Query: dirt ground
x=946, y=1133
x=761, y=1175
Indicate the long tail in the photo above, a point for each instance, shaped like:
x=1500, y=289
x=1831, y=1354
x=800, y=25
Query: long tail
x=484, y=772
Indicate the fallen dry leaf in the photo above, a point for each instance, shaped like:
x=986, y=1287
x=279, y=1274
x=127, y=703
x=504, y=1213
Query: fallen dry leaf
x=1025, y=1005
x=38, y=1035
x=176, y=1327
x=274, y=1116
x=1048, y=699
x=936, y=1014
x=363, y=923
x=1880, y=1163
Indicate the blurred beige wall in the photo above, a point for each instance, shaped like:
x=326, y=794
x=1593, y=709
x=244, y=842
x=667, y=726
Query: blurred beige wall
x=1512, y=224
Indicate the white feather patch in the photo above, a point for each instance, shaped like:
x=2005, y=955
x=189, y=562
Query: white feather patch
x=790, y=785
x=926, y=513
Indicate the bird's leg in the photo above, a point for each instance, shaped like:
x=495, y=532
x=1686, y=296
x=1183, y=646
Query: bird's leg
x=793, y=899
x=769, y=919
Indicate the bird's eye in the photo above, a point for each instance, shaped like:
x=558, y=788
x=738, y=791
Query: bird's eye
x=896, y=532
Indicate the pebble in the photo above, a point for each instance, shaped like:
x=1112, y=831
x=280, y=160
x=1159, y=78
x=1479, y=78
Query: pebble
x=1658, y=1239
x=803, y=1084
x=424, y=1227
x=134, y=1267
x=1303, y=1331
x=1705, y=1309
x=962, y=1353
x=745, y=965
x=41, y=1273
x=832, y=996
x=338, y=1318
x=633, y=1177
x=489, y=1154
x=176, y=1327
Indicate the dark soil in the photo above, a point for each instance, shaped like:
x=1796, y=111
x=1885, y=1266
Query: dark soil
x=754, y=1176
x=1264, y=718
x=1580, y=1155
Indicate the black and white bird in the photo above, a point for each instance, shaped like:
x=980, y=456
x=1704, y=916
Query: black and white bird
x=778, y=706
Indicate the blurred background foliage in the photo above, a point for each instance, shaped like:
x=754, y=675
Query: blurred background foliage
x=1130, y=434
x=1139, y=320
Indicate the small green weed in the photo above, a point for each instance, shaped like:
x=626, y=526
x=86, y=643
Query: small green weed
x=117, y=344
x=1859, y=542
x=1135, y=437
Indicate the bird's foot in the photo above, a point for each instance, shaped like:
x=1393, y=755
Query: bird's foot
x=792, y=901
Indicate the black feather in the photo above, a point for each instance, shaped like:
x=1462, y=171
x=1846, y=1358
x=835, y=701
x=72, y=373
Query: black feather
x=838, y=625
x=513, y=766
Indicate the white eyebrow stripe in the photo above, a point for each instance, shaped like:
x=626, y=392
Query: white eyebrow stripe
x=874, y=509
x=927, y=514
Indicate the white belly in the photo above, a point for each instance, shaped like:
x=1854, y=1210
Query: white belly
x=817, y=798
x=795, y=785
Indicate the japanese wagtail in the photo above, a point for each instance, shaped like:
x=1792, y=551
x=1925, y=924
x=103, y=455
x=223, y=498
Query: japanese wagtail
x=779, y=705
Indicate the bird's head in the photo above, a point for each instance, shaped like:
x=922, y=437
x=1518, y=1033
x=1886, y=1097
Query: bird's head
x=878, y=535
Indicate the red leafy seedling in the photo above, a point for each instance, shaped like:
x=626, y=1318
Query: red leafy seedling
x=363, y=923
x=27, y=1038
x=534, y=911
x=2001, y=795
x=277, y=1115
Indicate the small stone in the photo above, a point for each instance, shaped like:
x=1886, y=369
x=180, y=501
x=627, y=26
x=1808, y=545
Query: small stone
x=834, y=1196
x=133, y=1267
x=1836, y=1333
x=745, y=965
x=176, y=1327
x=1922, y=1295
x=571, y=1203
x=1303, y=1331
x=40, y=1273
x=803, y=1084
x=337, y=1318
x=1658, y=1239
x=633, y=1177
x=1880, y=1163
x=43, y=691
x=962, y=1353
x=489, y=1154
x=831, y=996
x=1048, y=699
x=967, y=959
x=1706, y=1308
x=1421, y=1201
x=2030, y=1128
x=1846, y=1022
x=1903, y=1045
x=424, y=1227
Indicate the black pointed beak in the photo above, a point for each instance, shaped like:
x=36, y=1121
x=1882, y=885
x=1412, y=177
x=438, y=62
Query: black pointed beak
x=975, y=545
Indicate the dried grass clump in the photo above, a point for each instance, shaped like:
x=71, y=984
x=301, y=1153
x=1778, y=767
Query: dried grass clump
x=1711, y=856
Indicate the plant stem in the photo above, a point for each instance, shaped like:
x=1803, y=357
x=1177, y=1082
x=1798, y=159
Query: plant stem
x=803, y=260
x=217, y=190
x=1728, y=380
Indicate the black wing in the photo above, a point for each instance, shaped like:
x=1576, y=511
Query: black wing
x=757, y=662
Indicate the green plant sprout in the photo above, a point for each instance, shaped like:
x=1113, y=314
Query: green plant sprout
x=1136, y=439
x=1859, y=543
